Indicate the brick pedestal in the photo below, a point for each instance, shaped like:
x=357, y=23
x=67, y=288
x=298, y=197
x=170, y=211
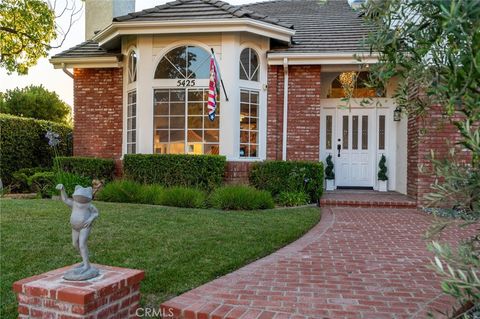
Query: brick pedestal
x=114, y=294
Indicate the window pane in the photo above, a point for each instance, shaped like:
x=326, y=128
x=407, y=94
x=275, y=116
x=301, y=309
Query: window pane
x=198, y=63
x=253, y=65
x=177, y=109
x=161, y=122
x=254, y=97
x=195, y=136
x=345, y=132
x=253, y=137
x=195, y=122
x=211, y=124
x=177, y=136
x=355, y=132
x=243, y=136
x=211, y=149
x=244, y=64
x=253, y=150
x=381, y=132
x=364, y=132
x=212, y=136
x=329, y=132
x=244, y=109
x=244, y=96
x=177, y=95
x=172, y=65
x=195, y=108
x=131, y=136
x=161, y=95
x=161, y=109
x=254, y=110
x=161, y=148
x=244, y=150
x=131, y=148
x=177, y=122
x=161, y=136
x=195, y=95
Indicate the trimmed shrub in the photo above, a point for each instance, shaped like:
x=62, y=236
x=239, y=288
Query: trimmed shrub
x=198, y=171
x=125, y=191
x=289, y=176
x=240, y=197
x=20, y=179
x=94, y=168
x=23, y=144
x=292, y=199
x=42, y=183
x=183, y=197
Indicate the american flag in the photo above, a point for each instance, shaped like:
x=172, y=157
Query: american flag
x=212, y=89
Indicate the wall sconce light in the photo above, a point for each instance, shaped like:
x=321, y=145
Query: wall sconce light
x=397, y=114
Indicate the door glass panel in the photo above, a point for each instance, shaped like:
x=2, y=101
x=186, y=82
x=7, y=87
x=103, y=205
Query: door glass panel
x=381, y=132
x=345, y=132
x=328, y=137
x=355, y=132
x=364, y=132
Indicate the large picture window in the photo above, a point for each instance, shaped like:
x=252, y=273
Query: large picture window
x=132, y=122
x=249, y=107
x=181, y=122
x=354, y=84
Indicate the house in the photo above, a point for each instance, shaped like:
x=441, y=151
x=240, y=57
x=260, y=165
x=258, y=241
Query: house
x=141, y=85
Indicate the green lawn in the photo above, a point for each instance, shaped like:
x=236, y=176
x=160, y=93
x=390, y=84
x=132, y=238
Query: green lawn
x=179, y=249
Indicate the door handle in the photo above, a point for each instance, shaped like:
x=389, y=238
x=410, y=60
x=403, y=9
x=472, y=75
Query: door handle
x=339, y=147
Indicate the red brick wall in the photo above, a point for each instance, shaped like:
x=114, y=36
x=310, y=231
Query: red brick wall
x=430, y=132
x=237, y=172
x=98, y=112
x=303, y=131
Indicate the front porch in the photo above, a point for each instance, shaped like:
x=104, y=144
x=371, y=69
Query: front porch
x=366, y=198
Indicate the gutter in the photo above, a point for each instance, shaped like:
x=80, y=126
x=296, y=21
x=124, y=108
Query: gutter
x=64, y=69
x=285, y=109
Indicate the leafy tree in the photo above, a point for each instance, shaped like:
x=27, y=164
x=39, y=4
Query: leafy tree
x=35, y=102
x=433, y=47
x=27, y=29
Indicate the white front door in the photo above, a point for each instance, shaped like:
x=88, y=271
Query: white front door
x=354, y=148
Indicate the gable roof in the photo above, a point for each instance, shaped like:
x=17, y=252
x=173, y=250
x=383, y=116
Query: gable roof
x=196, y=10
x=322, y=26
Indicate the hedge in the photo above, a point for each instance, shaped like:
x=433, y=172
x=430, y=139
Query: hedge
x=23, y=144
x=289, y=176
x=200, y=171
x=94, y=168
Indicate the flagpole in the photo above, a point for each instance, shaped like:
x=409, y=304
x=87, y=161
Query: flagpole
x=219, y=72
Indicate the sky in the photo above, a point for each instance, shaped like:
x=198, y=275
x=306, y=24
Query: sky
x=55, y=79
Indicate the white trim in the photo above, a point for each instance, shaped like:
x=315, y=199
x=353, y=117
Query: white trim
x=275, y=58
x=86, y=62
x=194, y=26
x=285, y=109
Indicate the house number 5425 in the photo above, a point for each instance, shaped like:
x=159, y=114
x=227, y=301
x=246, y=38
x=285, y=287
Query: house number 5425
x=186, y=83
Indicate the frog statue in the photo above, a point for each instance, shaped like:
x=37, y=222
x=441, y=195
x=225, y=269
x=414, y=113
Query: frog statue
x=81, y=220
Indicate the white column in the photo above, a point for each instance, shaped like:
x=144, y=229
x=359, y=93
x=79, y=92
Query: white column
x=230, y=111
x=145, y=95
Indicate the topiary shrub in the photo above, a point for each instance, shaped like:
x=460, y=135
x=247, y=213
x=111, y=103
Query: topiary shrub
x=382, y=172
x=23, y=144
x=240, y=197
x=292, y=199
x=289, y=176
x=198, y=171
x=94, y=168
x=183, y=197
x=329, y=174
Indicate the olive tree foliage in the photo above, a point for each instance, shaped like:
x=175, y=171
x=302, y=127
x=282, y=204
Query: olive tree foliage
x=432, y=47
x=30, y=28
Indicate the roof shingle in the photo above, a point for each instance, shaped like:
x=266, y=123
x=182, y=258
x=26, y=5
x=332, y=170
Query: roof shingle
x=87, y=49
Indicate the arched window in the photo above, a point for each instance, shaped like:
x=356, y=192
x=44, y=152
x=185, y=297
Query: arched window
x=249, y=65
x=132, y=67
x=354, y=84
x=185, y=62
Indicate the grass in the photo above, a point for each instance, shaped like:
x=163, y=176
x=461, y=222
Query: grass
x=178, y=248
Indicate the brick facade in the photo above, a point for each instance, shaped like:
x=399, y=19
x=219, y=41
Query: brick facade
x=430, y=132
x=303, y=129
x=237, y=172
x=98, y=112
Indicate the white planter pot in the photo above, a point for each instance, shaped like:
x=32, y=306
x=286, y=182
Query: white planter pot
x=382, y=186
x=330, y=184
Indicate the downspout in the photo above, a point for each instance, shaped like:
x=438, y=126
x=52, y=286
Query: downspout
x=64, y=69
x=285, y=109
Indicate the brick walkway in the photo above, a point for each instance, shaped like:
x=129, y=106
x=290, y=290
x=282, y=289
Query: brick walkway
x=356, y=263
